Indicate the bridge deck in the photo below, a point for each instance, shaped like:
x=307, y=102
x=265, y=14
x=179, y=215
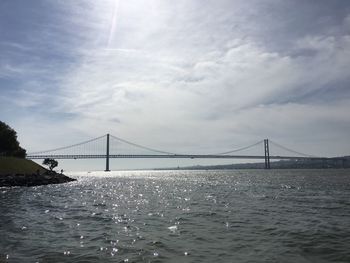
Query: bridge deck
x=178, y=156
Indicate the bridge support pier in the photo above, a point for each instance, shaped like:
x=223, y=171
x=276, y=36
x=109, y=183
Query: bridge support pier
x=267, y=154
x=107, y=155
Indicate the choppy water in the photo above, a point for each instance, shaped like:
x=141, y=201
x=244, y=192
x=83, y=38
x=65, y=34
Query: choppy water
x=180, y=216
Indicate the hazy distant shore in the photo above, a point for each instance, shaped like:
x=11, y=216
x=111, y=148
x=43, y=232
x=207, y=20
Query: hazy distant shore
x=284, y=164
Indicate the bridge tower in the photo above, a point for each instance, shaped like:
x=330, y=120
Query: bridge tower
x=267, y=154
x=107, y=154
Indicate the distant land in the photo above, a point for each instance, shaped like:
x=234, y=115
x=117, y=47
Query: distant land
x=23, y=172
x=283, y=164
x=12, y=165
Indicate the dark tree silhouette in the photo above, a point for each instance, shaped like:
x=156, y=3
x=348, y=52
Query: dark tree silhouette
x=51, y=163
x=9, y=146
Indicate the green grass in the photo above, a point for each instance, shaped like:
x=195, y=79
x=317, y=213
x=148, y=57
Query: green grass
x=12, y=165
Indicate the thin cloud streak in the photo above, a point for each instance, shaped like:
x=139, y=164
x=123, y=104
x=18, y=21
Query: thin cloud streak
x=113, y=23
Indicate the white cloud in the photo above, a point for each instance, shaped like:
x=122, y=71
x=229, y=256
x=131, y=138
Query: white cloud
x=168, y=91
x=199, y=81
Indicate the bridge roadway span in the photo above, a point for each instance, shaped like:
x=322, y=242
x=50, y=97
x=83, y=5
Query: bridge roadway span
x=179, y=156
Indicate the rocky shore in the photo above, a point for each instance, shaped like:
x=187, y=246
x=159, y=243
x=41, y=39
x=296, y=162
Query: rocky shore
x=35, y=179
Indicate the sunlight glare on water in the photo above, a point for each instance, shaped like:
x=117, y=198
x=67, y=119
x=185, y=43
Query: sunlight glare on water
x=180, y=216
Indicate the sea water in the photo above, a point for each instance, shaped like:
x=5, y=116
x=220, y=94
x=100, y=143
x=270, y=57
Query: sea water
x=180, y=216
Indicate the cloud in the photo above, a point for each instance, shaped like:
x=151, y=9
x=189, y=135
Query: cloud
x=222, y=74
x=150, y=90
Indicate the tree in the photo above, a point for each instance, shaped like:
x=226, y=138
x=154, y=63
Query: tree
x=9, y=146
x=51, y=163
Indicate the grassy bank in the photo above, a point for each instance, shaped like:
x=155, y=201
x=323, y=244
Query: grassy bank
x=12, y=165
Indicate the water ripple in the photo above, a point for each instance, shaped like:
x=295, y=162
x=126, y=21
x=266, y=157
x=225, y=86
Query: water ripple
x=180, y=216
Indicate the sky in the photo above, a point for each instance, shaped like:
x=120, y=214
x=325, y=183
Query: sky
x=187, y=76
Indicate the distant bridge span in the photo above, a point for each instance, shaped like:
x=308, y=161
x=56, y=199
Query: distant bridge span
x=167, y=155
x=174, y=156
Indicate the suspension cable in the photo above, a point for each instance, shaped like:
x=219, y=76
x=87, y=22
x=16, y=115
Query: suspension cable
x=141, y=146
x=67, y=147
x=241, y=149
x=165, y=152
x=290, y=150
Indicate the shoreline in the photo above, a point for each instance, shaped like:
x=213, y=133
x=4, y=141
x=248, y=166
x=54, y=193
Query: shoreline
x=46, y=178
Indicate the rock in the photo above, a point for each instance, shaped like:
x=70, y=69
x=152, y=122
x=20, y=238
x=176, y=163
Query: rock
x=7, y=180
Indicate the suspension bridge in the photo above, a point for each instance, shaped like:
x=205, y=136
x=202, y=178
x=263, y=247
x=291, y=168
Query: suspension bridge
x=109, y=146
